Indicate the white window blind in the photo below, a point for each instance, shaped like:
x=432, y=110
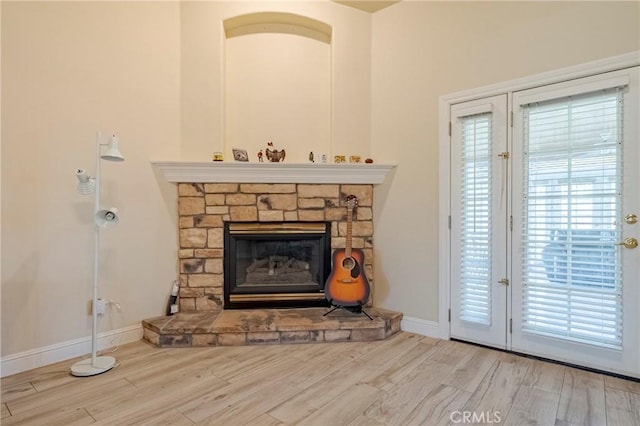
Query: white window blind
x=475, y=273
x=571, y=205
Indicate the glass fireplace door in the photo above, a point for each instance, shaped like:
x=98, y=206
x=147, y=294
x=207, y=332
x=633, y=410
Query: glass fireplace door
x=276, y=264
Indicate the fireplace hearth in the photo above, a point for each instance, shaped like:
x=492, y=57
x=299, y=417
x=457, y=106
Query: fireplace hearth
x=268, y=265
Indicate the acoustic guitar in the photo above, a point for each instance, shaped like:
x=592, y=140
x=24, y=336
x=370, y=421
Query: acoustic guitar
x=347, y=285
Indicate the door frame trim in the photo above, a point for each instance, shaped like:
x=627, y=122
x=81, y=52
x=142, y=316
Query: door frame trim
x=444, y=107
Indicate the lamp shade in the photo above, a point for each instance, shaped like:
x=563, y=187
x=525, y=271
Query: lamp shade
x=86, y=184
x=107, y=218
x=113, y=152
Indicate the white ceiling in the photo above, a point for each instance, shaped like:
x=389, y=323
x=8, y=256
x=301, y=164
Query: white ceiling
x=366, y=5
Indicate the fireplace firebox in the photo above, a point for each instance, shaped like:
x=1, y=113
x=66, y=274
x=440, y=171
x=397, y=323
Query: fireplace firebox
x=269, y=265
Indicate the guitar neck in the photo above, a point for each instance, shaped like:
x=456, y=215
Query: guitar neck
x=347, y=247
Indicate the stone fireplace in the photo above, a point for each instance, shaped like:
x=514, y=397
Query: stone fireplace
x=219, y=205
x=206, y=209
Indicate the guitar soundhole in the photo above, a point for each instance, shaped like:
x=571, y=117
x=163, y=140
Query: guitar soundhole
x=348, y=263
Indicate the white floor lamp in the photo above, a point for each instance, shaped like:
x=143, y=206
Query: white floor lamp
x=103, y=219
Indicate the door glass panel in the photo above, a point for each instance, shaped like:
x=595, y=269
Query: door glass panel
x=571, y=268
x=475, y=238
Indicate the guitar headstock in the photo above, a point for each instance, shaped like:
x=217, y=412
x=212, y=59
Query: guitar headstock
x=352, y=201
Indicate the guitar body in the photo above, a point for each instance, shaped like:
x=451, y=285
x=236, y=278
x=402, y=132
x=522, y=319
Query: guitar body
x=347, y=284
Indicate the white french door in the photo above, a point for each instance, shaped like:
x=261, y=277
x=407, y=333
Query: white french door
x=575, y=289
x=479, y=221
x=557, y=222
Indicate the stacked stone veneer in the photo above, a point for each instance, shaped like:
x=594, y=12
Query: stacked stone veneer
x=203, y=208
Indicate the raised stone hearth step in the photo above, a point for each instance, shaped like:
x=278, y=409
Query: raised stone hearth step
x=269, y=326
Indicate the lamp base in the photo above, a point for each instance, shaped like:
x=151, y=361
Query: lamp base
x=86, y=367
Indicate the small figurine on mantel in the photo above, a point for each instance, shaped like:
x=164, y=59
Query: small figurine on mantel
x=260, y=156
x=311, y=157
x=274, y=155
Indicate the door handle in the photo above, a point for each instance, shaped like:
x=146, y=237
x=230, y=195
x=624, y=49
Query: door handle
x=631, y=219
x=629, y=243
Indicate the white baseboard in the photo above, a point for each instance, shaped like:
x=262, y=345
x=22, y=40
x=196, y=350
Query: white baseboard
x=420, y=326
x=40, y=357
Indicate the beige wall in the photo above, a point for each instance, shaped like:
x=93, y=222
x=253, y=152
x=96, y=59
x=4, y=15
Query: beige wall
x=203, y=62
x=422, y=50
x=69, y=69
x=278, y=88
x=152, y=72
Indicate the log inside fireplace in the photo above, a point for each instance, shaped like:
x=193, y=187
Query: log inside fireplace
x=276, y=264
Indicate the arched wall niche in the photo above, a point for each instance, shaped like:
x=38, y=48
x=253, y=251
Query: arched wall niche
x=277, y=22
x=278, y=85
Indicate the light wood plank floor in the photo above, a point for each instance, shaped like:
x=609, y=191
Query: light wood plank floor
x=405, y=380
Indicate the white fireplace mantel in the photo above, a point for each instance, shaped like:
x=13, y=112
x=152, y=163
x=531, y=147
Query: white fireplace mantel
x=239, y=172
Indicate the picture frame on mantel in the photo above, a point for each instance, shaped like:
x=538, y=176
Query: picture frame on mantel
x=240, y=154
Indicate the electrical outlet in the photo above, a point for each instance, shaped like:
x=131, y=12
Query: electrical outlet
x=101, y=306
